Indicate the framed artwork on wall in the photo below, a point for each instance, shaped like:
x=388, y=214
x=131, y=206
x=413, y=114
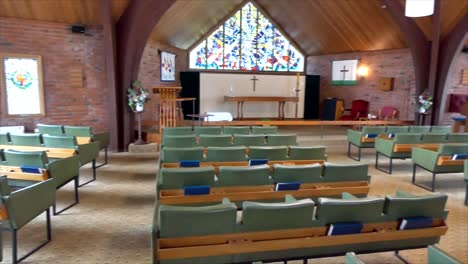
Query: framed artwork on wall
x=344, y=72
x=167, y=66
x=22, y=91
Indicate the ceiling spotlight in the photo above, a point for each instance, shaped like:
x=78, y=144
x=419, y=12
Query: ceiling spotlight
x=419, y=8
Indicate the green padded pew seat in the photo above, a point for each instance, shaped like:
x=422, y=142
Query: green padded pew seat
x=297, y=173
x=264, y=130
x=208, y=130
x=237, y=153
x=352, y=258
x=178, y=178
x=249, y=140
x=355, y=138
x=34, y=140
x=386, y=148
x=430, y=161
x=307, y=153
x=177, y=131
x=62, y=171
x=281, y=139
x=243, y=175
x=434, y=138
x=343, y=172
x=184, y=141
x=103, y=138
x=441, y=129
x=419, y=129
x=231, y=130
x=331, y=210
x=396, y=129
x=457, y=138
x=182, y=221
x=405, y=204
x=215, y=140
x=53, y=130
x=87, y=153
x=177, y=154
x=5, y=138
x=270, y=153
x=24, y=205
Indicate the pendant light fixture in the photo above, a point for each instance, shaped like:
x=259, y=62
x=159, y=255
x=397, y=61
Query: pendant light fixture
x=419, y=8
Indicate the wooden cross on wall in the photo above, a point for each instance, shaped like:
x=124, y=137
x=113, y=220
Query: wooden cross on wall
x=344, y=71
x=254, y=80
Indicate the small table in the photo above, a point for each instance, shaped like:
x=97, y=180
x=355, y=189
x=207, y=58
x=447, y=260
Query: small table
x=242, y=99
x=200, y=118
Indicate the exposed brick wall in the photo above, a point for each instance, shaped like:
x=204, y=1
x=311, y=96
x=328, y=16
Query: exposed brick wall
x=385, y=63
x=60, y=49
x=150, y=73
x=454, y=84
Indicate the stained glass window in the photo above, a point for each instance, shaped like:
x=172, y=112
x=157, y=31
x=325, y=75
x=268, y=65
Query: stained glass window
x=247, y=41
x=22, y=85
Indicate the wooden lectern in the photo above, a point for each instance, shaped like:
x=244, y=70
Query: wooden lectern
x=169, y=106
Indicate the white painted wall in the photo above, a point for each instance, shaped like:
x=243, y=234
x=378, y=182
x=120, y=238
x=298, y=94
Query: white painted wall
x=214, y=86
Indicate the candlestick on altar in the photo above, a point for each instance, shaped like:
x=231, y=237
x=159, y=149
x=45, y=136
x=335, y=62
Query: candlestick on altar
x=297, y=90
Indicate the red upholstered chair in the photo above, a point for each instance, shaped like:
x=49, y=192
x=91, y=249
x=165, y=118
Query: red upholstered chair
x=388, y=113
x=358, y=110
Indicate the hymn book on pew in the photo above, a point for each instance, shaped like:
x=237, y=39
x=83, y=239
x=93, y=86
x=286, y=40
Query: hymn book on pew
x=189, y=163
x=29, y=169
x=197, y=190
x=254, y=162
x=416, y=222
x=288, y=186
x=371, y=135
x=344, y=228
x=459, y=156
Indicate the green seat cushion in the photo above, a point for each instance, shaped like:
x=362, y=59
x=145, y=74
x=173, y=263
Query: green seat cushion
x=264, y=130
x=177, y=178
x=68, y=142
x=215, y=140
x=281, y=139
x=396, y=129
x=310, y=173
x=26, y=158
x=331, y=210
x=457, y=138
x=249, y=140
x=434, y=138
x=208, y=130
x=231, y=130
x=404, y=205
x=307, y=153
x=244, y=175
x=34, y=140
x=183, y=141
x=181, y=221
x=270, y=153
x=54, y=130
x=341, y=172
x=438, y=256
x=441, y=129
x=78, y=131
x=419, y=129
x=178, y=154
x=226, y=154
x=4, y=138
x=271, y=216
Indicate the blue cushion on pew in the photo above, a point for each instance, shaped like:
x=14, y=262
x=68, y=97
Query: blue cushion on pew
x=288, y=186
x=189, y=163
x=254, y=162
x=345, y=228
x=197, y=190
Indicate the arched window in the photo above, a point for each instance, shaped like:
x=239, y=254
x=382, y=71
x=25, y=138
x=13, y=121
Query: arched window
x=247, y=41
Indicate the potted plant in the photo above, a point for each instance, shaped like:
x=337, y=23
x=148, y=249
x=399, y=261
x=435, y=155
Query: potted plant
x=137, y=97
x=424, y=102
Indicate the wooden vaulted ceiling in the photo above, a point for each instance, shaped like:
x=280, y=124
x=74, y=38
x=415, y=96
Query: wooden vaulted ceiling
x=318, y=26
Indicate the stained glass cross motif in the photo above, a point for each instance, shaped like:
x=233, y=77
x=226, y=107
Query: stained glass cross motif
x=254, y=80
x=344, y=71
x=247, y=41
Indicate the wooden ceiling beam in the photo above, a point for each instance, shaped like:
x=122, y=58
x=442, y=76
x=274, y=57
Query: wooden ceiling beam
x=415, y=39
x=132, y=32
x=105, y=13
x=449, y=47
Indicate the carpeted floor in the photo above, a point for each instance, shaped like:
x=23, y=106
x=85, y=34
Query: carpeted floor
x=112, y=223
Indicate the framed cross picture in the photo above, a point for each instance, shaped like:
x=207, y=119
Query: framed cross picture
x=167, y=66
x=344, y=72
x=21, y=85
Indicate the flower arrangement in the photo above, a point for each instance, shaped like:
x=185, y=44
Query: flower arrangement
x=424, y=102
x=137, y=96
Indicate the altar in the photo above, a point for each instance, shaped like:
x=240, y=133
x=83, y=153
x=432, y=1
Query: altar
x=280, y=99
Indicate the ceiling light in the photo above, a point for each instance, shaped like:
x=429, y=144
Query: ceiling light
x=419, y=8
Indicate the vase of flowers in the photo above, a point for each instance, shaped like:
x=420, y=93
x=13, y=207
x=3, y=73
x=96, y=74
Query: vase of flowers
x=137, y=97
x=424, y=102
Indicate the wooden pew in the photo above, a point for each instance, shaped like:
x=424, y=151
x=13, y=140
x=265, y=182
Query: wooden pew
x=447, y=161
x=263, y=192
x=57, y=153
x=217, y=164
x=265, y=241
x=372, y=140
x=13, y=172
